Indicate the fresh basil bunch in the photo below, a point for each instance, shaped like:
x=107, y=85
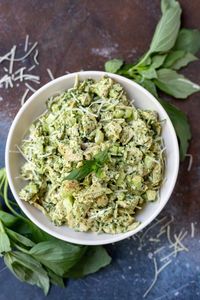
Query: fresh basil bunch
x=37, y=258
x=170, y=50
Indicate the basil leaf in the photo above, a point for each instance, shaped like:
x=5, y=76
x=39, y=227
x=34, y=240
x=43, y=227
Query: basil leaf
x=126, y=67
x=181, y=125
x=94, y=259
x=113, y=65
x=172, y=57
x=165, y=4
x=4, y=243
x=175, y=84
x=82, y=172
x=167, y=29
x=55, y=279
x=16, y=237
x=184, y=61
x=145, y=60
x=27, y=269
x=178, y=59
x=88, y=166
x=149, y=73
x=188, y=40
x=101, y=157
x=150, y=86
x=157, y=60
x=4, y=240
x=57, y=256
x=7, y=219
x=32, y=232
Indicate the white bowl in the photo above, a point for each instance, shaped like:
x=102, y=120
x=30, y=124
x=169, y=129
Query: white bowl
x=36, y=106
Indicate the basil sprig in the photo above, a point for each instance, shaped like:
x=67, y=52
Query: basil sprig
x=37, y=258
x=89, y=166
x=170, y=50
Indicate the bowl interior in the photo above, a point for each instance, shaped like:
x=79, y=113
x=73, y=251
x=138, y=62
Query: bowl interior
x=36, y=106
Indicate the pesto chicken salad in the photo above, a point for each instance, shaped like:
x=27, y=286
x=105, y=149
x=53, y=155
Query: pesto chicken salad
x=93, y=159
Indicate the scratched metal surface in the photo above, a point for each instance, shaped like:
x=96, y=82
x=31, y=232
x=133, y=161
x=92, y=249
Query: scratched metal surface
x=74, y=35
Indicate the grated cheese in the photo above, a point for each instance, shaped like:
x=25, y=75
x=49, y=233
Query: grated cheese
x=154, y=240
x=28, y=53
x=31, y=68
x=159, y=250
x=179, y=243
x=33, y=78
x=190, y=161
x=35, y=57
x=6, y=56
x=192, y=230
x=21, y=74
x=13, y=151
x=165, y=254
x=12, y=76
x=174, y=253
x=156, y=273
x=50, y=74
x=22, y=153
x=12, y=59
x=24, y=96
x=160, y=233
x=150, y=228
x=178, y=240
x=30, y=87
x=26, y=43
x=8, y=83
x=168, y=235
x=4, y=79
x=167, y=223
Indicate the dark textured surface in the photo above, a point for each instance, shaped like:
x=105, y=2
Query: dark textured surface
x=74, y=35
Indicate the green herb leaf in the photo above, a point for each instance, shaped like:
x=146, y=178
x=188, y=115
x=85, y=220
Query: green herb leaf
x=157, y=60
x=113, y=65
x=184, y=61
x=166, y=4
x=27, y=269
x=181, y=125
x=172, y=57
x=55, y=279
x=4, y=240
x=150, y=86
x=149, y=73
x=7, y=219
x=94, y=259
x=146, y=67
x=167, y=29
x=124, y=70
x=175, y=84
x=188, y=40
x=16, y=237
x=46, y=262
x=126, y=67
x=82, y=172
x=57, y=256
x=33, y=232
x=101, y=157
x=178, y=59
x=88, y=166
